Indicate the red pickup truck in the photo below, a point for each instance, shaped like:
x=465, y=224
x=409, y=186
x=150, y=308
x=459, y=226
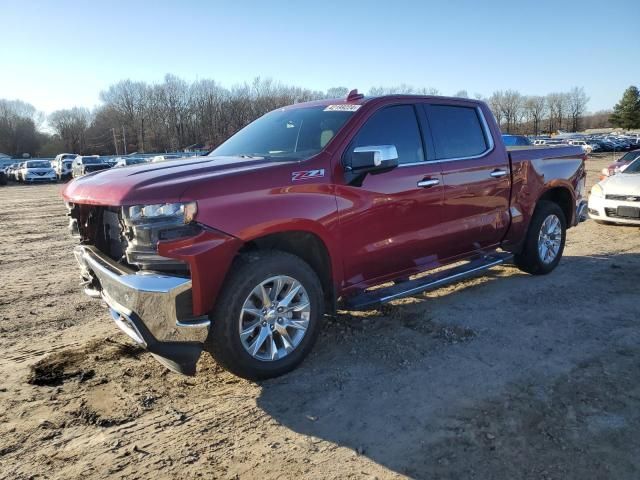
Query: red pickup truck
x=241, y=253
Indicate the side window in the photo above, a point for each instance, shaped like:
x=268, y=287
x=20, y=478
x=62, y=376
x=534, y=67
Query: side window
x=397, y=126
x=456, y=131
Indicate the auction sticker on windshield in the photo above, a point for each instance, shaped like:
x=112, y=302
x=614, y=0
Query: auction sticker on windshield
x=342, y=108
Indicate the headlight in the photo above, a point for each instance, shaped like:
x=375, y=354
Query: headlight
x=183, y=212
x=597, y=191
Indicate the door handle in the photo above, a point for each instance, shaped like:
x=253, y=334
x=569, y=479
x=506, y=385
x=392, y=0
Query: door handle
x=428, y=182
x=498, y=173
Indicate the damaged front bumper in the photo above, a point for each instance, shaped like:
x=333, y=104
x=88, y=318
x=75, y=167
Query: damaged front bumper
x=155, y=310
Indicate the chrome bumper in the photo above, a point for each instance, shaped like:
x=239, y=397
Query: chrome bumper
x=151, y=308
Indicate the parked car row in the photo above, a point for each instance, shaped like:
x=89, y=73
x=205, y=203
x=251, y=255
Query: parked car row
x=595, y=143
x=31, y=171
x=63, y=167
x=586, y=147
x=614, y=143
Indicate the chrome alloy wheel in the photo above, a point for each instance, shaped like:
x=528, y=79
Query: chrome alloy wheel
x=274, y=318
x=549, y=239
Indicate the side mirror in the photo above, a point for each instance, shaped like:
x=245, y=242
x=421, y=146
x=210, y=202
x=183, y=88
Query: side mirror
x=372, y=159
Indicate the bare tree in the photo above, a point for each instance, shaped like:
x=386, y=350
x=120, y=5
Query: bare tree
x=175, y=114
x=337, y=92
x=558, y=107
x=512, y=109
x=18, y=127
x=71, y=126
x=496, y=103
x=461, y=94
x=130, y=100
x=577, y=103
x=535, y=108
x=403, y=88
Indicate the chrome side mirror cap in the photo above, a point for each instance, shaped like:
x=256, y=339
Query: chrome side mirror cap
x=374, y=156
x=373, y=159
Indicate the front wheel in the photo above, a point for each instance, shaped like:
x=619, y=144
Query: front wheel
x=267, y=316
x=545, y=240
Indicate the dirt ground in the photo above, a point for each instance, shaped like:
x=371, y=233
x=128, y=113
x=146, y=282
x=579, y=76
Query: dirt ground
x=502, y=377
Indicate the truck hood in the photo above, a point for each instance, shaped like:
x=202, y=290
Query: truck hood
x=162, y=182
x=622, y=184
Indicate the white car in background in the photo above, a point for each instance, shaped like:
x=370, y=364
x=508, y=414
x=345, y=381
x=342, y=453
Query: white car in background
x=616, y=199
x=62, y=164
x=586, y=148
x=15, y=172
x=37, y=171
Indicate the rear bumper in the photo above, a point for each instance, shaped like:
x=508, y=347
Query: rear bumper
x=154, y=310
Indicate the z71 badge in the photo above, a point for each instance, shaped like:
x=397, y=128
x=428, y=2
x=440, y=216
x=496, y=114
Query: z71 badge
x=307, y=174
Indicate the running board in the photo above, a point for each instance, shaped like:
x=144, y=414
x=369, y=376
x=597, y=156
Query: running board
x=372, y=298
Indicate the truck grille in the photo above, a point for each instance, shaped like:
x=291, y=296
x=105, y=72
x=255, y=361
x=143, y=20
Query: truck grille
x=132, y=245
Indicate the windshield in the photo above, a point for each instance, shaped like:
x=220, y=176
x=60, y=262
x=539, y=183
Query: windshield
x=634, y=167
x=627, y=157
x=91, y=160
x=38, y=165
x=293, y=134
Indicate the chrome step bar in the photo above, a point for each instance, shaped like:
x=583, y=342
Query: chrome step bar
x=372, y=298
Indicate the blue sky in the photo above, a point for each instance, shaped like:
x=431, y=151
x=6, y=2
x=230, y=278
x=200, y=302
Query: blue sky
x=57, y=54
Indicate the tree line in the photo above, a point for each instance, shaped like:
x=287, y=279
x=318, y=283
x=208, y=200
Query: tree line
x=174, y=115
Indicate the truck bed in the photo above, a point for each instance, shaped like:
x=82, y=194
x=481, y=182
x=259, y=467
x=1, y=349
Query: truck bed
x=557, y=170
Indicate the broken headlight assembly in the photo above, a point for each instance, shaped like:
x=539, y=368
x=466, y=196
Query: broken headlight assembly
x=179, y=212
x=146, y=225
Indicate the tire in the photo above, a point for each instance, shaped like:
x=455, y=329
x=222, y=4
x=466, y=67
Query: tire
x=247, y=273
x=530, y=259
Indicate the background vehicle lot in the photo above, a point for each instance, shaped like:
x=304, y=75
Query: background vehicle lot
x=509, y=378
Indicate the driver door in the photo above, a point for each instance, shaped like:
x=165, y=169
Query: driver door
x=389, y=225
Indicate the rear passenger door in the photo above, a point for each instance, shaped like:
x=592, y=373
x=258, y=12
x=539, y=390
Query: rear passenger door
x=476, y=178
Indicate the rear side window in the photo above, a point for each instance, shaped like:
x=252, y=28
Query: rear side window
x=457, y=131
x=397, y=126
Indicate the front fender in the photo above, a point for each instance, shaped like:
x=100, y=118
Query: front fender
x=209, y=255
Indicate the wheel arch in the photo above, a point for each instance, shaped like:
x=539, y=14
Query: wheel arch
x=562, y=196
x=308, y=246
x=556, y=192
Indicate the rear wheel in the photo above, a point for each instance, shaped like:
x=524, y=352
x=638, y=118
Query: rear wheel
x=267, y=317
x=544, y=243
